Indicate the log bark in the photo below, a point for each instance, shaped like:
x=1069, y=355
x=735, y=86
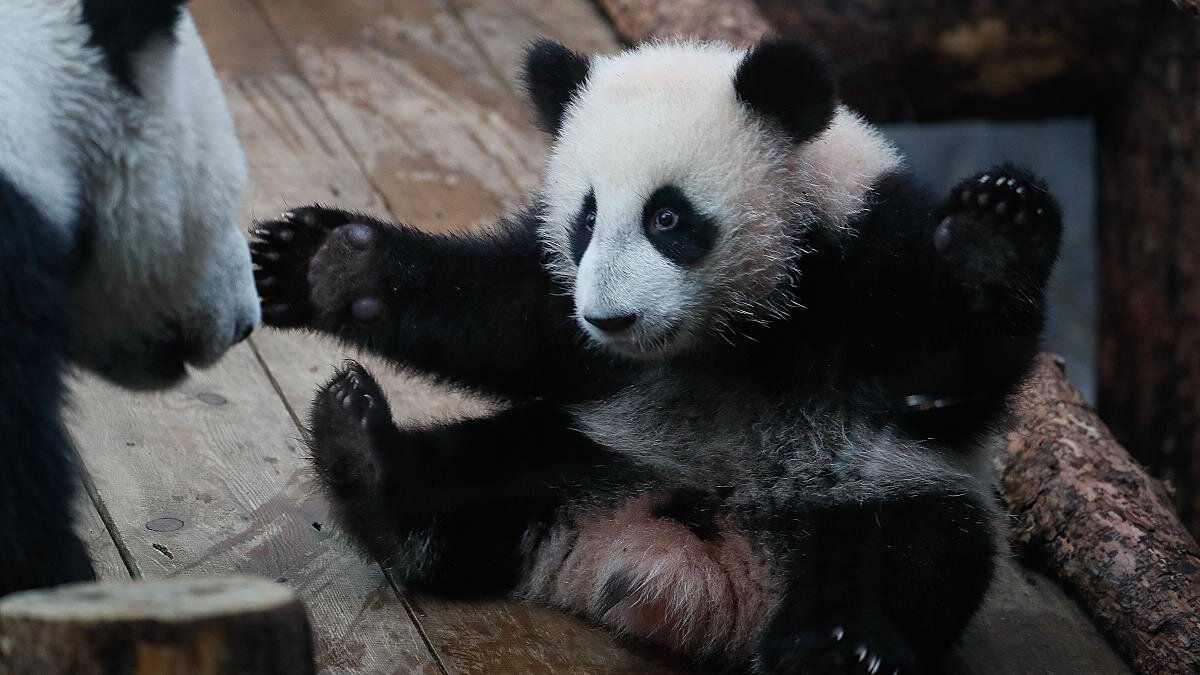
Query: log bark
x=1087, y=511
x=190, y=626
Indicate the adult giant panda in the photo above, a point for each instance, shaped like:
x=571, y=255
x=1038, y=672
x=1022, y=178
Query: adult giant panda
x=120, y=177
x=752, y=367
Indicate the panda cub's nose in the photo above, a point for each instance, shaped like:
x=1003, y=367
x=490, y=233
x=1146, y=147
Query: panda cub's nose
x=612, y=324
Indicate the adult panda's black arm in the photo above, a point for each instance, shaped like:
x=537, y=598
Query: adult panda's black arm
x=478, y=310
x=38, y=478
x=937, y=307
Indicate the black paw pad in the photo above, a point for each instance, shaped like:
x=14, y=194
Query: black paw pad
x=356, y=395
x=349, y=420
x=345, y=274
x=280, y=250
x=999, y=229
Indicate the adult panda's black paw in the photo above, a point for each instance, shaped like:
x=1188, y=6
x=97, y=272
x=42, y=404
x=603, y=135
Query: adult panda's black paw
x=1000, y=232
x=317, y=267
x=860, y=647
x=349, y=434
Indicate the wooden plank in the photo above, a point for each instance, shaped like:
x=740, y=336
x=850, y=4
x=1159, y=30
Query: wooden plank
x=435, y=131
x=210, y=478
x=1029, y=625
x=106, y=559
x=502, y=30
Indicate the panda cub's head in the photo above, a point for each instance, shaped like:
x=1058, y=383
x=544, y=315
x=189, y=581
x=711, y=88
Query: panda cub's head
x=682, y=181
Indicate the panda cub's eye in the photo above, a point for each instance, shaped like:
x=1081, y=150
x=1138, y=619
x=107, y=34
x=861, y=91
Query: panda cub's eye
x=664, y=219
x=590, y=219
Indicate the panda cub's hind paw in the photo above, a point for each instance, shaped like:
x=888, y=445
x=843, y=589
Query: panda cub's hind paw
x=998, y=229
x=844, y=649
x=314, y=266
x=350, y=427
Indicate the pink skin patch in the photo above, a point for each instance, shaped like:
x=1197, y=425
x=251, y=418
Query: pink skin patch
x=652, y=578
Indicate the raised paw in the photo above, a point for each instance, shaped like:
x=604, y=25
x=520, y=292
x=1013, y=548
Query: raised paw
x=349, y=431
x=317, y=267
x=999, y=230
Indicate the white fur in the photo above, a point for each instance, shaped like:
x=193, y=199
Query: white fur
x=667, y=113
x=161, y=174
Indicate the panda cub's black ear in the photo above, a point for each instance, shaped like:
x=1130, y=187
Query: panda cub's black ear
x=553, y=74
x=789, y=82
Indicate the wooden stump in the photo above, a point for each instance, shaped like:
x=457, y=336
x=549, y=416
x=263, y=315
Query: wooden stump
x=181, y=626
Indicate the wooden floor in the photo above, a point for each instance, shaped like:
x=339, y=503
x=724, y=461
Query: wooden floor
x=408, y=108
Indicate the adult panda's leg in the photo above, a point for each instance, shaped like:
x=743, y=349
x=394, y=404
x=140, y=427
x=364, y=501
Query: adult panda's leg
x=881, y=586
x=480, y=310
x=38, y=546
x=448, y=506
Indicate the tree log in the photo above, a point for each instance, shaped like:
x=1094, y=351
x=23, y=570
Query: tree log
x=1087, y=511
x=176, y=627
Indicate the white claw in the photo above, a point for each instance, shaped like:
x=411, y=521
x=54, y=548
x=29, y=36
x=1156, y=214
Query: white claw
x=984, y=178
x=1021, y=190
x=1039, y=211
x=1001, y=180
x=287, y=216
x=838, y=634
x=873, y=665
x=861, y=653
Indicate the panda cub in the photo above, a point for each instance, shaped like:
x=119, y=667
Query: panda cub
x=752, y=367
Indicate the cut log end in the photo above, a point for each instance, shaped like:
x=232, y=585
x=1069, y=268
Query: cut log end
x=198, y=625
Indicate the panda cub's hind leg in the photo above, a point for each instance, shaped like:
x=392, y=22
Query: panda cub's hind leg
x=449, y=505
x=351, y=439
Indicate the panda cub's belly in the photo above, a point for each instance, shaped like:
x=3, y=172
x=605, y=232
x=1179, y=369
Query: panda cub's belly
x=695, y=587
x=674, y=562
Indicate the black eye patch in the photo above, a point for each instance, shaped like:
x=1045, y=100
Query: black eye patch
x=582, y=228
x=681, y=234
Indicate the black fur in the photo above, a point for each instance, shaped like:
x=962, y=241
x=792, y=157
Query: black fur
x=553, y=74
x=890, y=580
x=695, y=510
x=121, y=28
x=788, y=81
x=472, y=488
x=693, y=235
x=937, y=339
x=525, y=344
x=585, y=225
x=37, y=465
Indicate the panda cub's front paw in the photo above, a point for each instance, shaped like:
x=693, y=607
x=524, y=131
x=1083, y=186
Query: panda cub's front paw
x=1000, y=231
x=350, y=425
x=317, y=267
